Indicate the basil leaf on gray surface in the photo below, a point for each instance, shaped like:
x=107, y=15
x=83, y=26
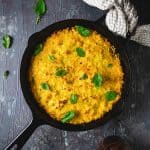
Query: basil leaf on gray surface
x=6, y=74
x=7, y=41
x=40, y=9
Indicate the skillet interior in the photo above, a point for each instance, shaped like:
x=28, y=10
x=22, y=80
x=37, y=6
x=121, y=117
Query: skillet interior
x=38, y=112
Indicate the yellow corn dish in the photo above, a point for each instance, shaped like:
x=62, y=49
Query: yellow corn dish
x=76, y=73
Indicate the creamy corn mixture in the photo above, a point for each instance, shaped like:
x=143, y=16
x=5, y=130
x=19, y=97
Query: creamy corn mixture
x=73, y=72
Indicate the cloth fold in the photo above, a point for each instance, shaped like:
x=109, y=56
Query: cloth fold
x=122, y=16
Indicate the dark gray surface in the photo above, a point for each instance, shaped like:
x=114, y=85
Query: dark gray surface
x=17, y=18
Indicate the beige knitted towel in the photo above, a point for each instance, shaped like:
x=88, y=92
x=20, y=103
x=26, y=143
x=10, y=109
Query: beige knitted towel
x=122, y=16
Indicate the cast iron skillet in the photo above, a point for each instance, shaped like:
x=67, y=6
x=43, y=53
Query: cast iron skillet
x=40, y=117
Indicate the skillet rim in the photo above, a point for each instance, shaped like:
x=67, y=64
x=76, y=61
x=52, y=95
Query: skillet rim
x=40, y=37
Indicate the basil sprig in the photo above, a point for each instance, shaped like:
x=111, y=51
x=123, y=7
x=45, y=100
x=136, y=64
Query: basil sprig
x=40, y=9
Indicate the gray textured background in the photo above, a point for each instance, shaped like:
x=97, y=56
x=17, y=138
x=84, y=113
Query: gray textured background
x=17, y=18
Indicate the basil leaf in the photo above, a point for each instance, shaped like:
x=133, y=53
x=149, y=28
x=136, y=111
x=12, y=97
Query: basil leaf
x=83, y=31
x=6, y=74
x=6, y=41
x=45, y=86
x=38, y=49
x=80, y=52
x=40, y=9
x=61, y=72
x=110, y=95
x=84, y=77
x=73, y=98
x=109, y=65
x=51, y=57
x=97, y=80
x=68, y=116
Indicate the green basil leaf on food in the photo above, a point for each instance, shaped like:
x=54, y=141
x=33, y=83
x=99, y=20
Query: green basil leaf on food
x=45, y=86
x=6, y=74
x=80, y=52
x=7, y=41
x=51, y=57
x=84, y=77
x=40, y=9
x=74, y=98
x=110, y=95
x=83, y=31
x=97, y=80
x=109, y=65
x=61, y=72
x=38, y=49
x=68, y=116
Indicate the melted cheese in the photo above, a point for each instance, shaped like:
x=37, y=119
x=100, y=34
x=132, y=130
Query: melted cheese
x=91, y=103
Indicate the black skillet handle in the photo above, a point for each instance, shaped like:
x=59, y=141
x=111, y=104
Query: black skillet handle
x=22, y=138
